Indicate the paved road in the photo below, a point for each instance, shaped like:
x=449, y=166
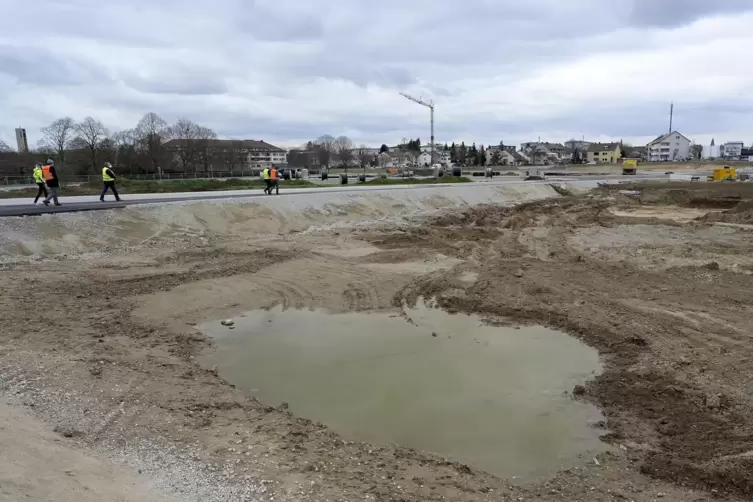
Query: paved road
x=14, y=207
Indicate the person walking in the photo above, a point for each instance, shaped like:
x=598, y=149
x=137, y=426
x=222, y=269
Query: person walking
x=51, y=179
x=265, y=177
x=108, y=178
x=39, y=180
x=273, y=182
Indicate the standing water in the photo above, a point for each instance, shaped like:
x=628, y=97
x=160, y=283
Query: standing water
x=493, y=398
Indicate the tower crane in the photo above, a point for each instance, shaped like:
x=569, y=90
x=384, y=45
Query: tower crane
x=430, y=106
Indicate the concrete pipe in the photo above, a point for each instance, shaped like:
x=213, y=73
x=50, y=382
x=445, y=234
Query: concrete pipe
x=324, y=175
x=286, y=174
x=457, y=171
x=489, y=172
x=343, y=179
x=362, y=178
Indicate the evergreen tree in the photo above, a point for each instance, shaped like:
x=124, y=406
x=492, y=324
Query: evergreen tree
x=462, y=153
x=453, y=153
x=384, y=149
x=481, y=156
x=473, y=155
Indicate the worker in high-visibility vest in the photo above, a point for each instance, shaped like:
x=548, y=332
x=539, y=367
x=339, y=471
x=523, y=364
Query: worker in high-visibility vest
x=51, y=180
x=267, y=182
x=39, y=180
x=273, y=182
x=108, y=178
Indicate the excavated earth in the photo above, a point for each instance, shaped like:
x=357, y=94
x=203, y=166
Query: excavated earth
x=659, y=279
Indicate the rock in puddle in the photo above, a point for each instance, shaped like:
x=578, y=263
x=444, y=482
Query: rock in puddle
x=228, y=322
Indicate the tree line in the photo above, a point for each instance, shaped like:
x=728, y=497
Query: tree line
x=329, y=151
x=82, y=147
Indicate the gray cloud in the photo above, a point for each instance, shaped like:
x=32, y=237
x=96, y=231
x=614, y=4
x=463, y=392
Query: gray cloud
x=188, y=87
x=666, y=13
x=288, y=71
x=39, y=66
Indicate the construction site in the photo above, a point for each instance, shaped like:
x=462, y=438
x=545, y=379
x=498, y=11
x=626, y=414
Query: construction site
x=474, y=342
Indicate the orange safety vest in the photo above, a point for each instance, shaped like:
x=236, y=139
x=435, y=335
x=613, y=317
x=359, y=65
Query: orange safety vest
x=46, y=173
x=273, y=174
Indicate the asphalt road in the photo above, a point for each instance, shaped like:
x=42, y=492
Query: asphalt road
x=14, y=207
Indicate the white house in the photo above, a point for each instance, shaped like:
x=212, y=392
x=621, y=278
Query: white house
x=441, y=157
x=668, y=147
x=731, y=150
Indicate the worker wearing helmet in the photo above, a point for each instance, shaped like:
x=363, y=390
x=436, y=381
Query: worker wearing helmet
x=108, y=178
x=267, y=180
x=52, y=181
x=39, y=180
x=274, y=181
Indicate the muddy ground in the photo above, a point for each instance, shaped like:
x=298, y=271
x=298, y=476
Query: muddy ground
x=105, y=352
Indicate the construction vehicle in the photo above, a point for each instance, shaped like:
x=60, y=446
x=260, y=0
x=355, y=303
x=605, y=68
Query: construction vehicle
x=630, y=167
x=725, y=173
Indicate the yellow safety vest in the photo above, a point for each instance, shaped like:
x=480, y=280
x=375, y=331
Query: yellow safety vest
x=105, y=176
x=265, y=174
x=38, y=175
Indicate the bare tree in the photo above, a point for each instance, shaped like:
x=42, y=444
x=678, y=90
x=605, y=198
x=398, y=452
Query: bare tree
x=205, y=136
x=150, y=130
x=127, y=155
x=91, y=132
x=234, y=154
x=344, y=150
x=5, y=147
x=325, y=150
x=44, y=147
x=299, y=157
x=186, y=136
x=383, y=159
x=58, y=136
x=364, y=156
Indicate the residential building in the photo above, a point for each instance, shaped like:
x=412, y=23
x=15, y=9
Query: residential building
x=365, y=150
x=576, y=144
x=254, y=154
x=635, y=152
x=21, y=141
x=669, y=147
x=731, y=150
x=604, y=153
x=546, y=153
x=440, y=157
x=398, y=159
x=508, y=156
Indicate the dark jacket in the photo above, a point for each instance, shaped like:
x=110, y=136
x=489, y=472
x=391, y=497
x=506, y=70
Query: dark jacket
x=53, y=183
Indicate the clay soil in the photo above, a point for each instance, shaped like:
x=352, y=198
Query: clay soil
x=105, y=352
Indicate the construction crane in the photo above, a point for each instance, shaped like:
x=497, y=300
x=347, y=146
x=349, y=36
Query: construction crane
x=430, y=106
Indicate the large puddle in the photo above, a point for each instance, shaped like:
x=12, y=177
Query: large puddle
x=493, y=398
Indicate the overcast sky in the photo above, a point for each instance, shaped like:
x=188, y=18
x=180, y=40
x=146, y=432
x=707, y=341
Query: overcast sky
x=287, y=71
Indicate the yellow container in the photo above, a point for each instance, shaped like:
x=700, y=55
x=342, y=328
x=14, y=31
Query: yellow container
x=724, y=173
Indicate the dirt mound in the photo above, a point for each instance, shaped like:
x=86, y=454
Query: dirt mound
x=742, y=213
x=662, y=363
x=116, y=351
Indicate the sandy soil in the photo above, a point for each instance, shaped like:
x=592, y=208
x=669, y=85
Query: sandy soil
x=37, y=464
x=111, y=358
